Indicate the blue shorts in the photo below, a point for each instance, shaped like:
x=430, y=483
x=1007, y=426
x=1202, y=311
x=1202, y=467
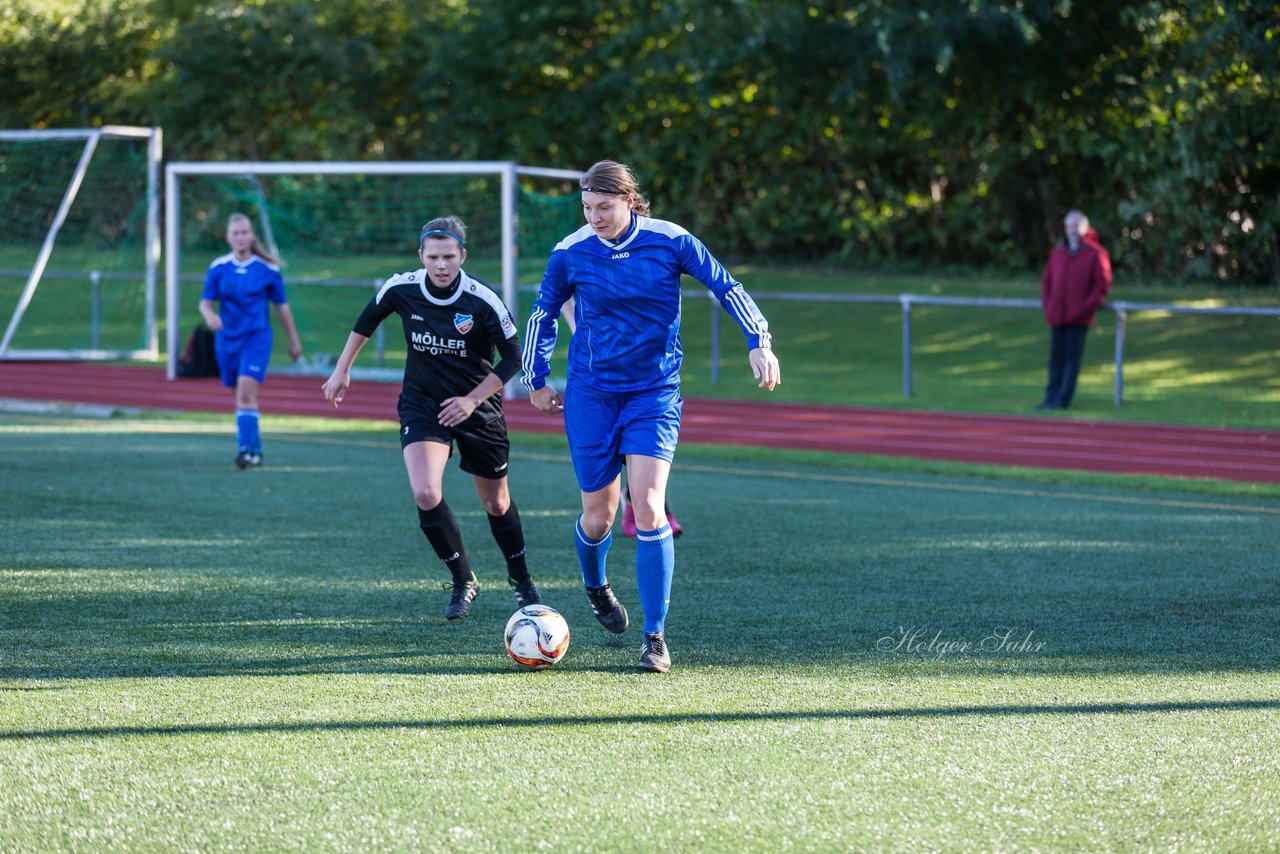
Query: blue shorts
x=245, y=356
x=603, y=428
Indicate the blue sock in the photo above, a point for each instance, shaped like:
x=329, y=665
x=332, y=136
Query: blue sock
x=655, y=564
x=247, y=430
x=591, y=554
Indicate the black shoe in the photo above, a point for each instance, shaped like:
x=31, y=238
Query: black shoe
x=248, y=459
x=1046, y=404
x=654, y=656
x=608, y=609
x=526, y=594
x=460, y=602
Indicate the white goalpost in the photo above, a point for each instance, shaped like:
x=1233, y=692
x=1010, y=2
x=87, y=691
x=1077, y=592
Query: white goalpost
x=79, y=242
x=341, y=229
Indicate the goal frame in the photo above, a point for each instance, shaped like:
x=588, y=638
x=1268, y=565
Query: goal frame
x=155, y=149
x=509, y=172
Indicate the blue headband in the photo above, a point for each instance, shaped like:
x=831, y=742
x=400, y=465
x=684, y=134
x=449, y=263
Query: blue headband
x=442, y=233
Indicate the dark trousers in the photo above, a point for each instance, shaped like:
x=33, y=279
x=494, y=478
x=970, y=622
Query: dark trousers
x=1066, y=350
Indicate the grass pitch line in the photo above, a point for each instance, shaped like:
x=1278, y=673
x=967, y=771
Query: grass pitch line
x=60, y=425
x=988, y=490
x=658, y=719
x=869, y=481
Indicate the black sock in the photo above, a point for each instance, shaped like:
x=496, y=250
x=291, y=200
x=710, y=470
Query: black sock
x=509, y=536
x=442, y=530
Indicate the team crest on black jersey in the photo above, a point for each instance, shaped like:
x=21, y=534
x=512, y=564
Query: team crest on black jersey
x=463, y=322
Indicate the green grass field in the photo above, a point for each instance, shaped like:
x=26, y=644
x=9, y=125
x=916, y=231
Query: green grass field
x=866, y=657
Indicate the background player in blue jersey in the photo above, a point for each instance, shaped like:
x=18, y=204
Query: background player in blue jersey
x=452, y=324
x=242, y=283
x=622, y=398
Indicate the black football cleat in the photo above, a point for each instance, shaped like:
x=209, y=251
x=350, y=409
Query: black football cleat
x=608, y=609
x=526, y=594
x=654, y=655
x=248, y=460
x=460, y=602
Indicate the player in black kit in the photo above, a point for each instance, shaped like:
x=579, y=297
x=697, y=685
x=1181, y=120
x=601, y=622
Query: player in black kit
x=452, y=323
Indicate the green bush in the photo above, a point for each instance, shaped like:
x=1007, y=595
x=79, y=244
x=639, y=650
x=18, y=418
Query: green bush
x=927, y=133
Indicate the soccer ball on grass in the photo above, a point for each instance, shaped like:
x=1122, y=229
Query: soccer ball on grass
x=537, y=636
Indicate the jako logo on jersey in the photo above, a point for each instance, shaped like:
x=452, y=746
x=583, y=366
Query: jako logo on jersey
x=463, y=322
x=416, y=317
x=615, y=256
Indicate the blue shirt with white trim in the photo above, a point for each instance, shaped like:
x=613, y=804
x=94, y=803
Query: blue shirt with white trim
x=242, y=290
x=627, y=306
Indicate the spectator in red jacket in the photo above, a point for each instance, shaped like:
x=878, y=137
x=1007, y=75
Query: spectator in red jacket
x=1075, y=283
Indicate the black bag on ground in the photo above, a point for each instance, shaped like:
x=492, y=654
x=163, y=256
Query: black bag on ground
x=199, y=358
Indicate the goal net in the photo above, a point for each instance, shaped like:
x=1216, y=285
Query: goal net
x=79, y=243
x=342, y=229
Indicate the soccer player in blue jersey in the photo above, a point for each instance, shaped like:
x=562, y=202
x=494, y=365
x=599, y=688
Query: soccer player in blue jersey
x=622, y=398
x=628, y=512
x=452, y=323
x=243, y=283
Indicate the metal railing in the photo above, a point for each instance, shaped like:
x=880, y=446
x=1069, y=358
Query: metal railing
x=97, y=277
x=1122, y=310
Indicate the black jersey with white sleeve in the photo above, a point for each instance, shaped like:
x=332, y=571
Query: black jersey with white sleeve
x=451, y=335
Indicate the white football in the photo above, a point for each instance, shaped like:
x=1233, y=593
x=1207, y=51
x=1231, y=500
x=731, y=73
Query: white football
x=537, y=636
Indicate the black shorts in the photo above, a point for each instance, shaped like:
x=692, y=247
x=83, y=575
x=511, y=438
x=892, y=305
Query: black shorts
x=483, y=447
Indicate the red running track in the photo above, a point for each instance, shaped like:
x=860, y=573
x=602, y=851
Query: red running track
x=1045, y=442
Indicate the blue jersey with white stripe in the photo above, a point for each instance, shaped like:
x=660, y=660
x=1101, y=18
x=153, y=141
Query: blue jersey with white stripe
x=627, y=306
x=242, y=290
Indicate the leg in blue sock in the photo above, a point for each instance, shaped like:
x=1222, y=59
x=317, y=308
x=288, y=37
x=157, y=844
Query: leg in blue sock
x=655, y=565
x=247, y=414
x=655, y=546
x=593, y=536
x=247, y=430
x=591, y=555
